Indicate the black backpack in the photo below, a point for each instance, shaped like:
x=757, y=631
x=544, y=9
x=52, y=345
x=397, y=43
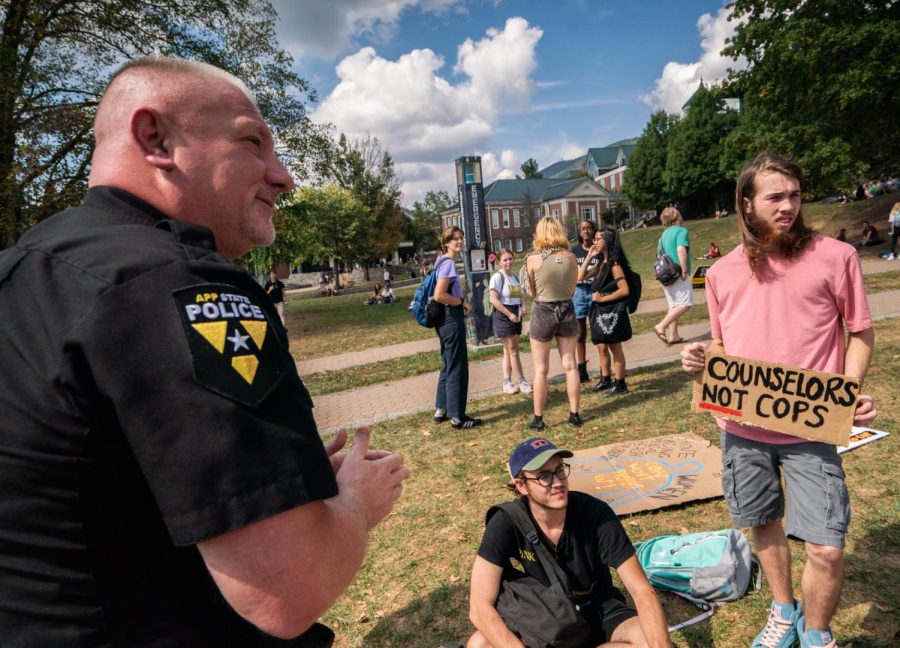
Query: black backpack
x=634, y=290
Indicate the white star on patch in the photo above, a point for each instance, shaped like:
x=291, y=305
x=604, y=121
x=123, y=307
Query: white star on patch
x=239, y=340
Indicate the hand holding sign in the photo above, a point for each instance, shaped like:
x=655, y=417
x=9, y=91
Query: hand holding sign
x=810, y=404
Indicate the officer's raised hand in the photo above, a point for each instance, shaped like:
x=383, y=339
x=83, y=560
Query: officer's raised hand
x=370, y=481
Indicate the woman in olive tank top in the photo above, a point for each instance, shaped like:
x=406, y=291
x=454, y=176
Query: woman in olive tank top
x=552, y=272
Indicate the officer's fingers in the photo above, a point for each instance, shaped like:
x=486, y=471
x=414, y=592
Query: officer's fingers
x=361, y=442
x=372, y=455
x=336, y=442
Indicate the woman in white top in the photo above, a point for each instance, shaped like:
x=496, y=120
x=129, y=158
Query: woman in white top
x=509, y=311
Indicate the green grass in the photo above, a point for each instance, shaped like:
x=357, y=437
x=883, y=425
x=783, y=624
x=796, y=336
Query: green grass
x=322, y=326
x=413, y=590
x=328, y=382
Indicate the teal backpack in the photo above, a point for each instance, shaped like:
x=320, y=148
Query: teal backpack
x=708, y=568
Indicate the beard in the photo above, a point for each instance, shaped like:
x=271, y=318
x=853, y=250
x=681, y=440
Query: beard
x=784, y=243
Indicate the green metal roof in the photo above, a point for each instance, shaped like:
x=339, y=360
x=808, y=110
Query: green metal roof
x=541, y=189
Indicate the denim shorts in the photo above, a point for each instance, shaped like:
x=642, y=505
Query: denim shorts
x=553, y=319
x=582, y=300
x=818, y=504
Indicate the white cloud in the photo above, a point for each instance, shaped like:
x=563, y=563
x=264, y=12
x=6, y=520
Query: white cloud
x=326, y=28
x=423, y=119
x=679, y=80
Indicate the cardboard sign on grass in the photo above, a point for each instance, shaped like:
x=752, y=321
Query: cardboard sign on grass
x=648, y=474
x=814, y=405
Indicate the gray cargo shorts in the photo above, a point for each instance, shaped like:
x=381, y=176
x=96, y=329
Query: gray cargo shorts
x=818, y=505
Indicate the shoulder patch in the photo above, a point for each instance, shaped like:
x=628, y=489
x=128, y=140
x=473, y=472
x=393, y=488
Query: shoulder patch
x=233, y=348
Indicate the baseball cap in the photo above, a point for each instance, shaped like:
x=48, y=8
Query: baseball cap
x=533, y=453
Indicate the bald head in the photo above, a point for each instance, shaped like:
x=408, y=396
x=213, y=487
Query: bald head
x=180, y=89
x=189, y=139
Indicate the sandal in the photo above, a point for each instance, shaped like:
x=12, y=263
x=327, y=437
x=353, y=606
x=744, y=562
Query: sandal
x=676, y=341
x=661, y=336
x=465, y=423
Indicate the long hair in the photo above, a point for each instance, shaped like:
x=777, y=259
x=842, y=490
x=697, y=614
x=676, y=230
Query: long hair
x=757, y=240
x=447, y=236
x=549, y=235
x=614, y=252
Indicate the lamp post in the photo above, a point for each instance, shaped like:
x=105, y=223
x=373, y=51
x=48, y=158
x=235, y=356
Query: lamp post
x=474, y=226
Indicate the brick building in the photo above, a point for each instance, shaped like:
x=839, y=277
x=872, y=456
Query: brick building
x=513, y=207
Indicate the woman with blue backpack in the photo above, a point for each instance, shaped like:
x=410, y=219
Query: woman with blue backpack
x=608, y=315
x=453, y=380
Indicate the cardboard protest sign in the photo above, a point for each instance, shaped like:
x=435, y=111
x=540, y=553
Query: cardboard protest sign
x=801, y=402
x=649, y=474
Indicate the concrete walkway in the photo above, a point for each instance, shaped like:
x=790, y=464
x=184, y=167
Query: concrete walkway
x=367, y=356
x=416, y=394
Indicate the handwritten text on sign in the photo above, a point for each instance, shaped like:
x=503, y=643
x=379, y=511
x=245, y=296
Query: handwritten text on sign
x=801, y=402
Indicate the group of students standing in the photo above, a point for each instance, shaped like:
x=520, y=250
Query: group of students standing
x=570, y=287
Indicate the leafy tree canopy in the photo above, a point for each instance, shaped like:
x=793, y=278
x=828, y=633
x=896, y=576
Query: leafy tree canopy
x=363, y=167
x=57, y=56
x=530, y=169
x=316, y=223
x=821, y=85
x=693, y=170
x=644, y=185
x=425, y=227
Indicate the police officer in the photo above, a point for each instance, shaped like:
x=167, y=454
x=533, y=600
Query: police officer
x=162, y=481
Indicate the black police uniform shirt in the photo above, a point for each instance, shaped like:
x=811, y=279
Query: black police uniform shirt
x=580, y=255
x=149, y=403
x=592, y=541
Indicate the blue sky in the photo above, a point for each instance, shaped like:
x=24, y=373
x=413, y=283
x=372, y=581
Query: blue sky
x=438, y=79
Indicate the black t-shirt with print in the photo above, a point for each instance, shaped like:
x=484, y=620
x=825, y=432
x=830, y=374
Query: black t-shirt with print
x=580, y=255
x=593, y=541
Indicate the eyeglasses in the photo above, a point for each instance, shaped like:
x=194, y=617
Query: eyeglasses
x=546, y=478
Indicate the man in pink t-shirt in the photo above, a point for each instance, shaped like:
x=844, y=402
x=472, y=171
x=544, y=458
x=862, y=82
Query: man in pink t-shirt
x=785, y=296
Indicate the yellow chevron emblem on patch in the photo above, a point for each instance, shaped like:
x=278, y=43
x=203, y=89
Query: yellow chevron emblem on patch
x=245, y=365
x=214, y=332
x=257, y=331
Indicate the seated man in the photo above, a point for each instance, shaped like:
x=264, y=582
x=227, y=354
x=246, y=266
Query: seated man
x=869, y=235
x=587, y=539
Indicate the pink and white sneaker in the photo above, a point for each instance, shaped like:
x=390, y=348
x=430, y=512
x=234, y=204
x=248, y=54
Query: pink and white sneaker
x=510, y=388
x=524, y=387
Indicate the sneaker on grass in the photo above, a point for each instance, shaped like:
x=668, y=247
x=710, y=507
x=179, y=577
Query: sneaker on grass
x=812, y=638
x=525, y=387
x=780, y=630
x=510, y=388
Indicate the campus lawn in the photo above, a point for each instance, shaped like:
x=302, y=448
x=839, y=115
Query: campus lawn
x=413, y=590
x=323, y=326
x=327, y=382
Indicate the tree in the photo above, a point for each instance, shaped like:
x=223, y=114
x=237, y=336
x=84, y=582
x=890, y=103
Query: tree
x=530, y=169
x=318, y=223
x=361, y=166
x=56, y=57
x=425, y=224
x=821, y=85
x=693, y=171
x=644, y=185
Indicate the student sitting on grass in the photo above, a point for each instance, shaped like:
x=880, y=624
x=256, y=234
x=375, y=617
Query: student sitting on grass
x=375, y=297
x=584, y=536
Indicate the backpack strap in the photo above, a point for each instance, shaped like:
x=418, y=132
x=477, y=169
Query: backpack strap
x=523, y=522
